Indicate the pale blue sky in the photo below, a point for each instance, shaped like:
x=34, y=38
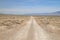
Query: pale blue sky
x=29, y=6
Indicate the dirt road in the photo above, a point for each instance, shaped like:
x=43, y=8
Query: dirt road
x=36, y=32
x=30, y=31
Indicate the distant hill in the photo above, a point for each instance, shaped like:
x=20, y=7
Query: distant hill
x=57, y=12
x=53, y=13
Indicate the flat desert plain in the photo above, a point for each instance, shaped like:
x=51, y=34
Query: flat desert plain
x=14, y=27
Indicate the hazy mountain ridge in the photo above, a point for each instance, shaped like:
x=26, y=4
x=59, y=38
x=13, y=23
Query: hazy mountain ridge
x=53, y=13
x=57, y=12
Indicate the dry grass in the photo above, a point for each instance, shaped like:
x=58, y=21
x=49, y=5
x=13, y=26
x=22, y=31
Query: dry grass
x=49, y=23
x=9, y=22
x=10, y=25
x=53, y=20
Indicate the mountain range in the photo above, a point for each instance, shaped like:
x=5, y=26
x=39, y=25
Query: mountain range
x=53, y=13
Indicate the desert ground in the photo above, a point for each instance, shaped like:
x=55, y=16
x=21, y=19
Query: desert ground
x=14, y=27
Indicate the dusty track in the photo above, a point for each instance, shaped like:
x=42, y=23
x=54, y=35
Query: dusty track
x=36, y=32
x=30, y=31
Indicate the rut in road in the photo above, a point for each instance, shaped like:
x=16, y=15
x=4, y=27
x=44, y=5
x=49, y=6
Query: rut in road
x=31, y=31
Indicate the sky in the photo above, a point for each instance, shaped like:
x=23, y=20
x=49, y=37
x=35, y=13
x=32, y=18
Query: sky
x=29, y=6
